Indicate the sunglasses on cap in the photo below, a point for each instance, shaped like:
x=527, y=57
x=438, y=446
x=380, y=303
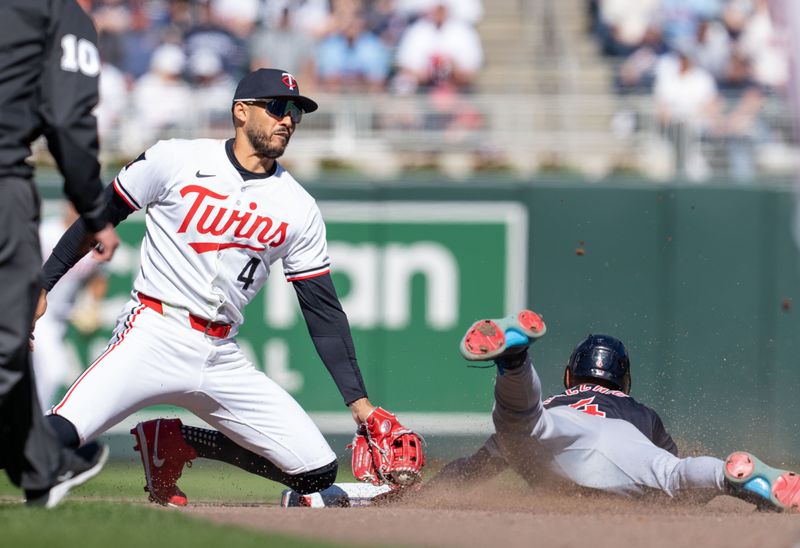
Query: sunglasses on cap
x=279, y=108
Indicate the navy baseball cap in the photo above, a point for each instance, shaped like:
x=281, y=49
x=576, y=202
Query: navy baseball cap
x=268, y=83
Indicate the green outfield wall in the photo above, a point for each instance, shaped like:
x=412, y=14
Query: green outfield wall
x=702, y=283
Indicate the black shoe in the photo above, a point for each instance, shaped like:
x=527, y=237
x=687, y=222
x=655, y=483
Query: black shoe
x=82, y=465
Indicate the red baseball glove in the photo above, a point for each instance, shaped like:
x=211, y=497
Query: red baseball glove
x=386, y=452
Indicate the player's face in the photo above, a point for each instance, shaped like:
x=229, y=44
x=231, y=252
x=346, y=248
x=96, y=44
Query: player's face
x=268, y=134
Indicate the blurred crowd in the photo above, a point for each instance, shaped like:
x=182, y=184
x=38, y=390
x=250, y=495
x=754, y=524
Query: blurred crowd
x=173, y=63
x=709, y=65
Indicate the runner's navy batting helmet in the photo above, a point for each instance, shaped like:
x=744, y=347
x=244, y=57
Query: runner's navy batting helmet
x=601, y=357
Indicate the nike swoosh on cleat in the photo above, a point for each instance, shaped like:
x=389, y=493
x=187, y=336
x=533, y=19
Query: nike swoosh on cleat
x=202, y=175
x=157, y=461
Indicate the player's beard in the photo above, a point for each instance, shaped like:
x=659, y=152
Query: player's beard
x=261, y=142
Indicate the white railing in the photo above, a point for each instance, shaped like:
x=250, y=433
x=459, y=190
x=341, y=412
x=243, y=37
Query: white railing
x=594, y=135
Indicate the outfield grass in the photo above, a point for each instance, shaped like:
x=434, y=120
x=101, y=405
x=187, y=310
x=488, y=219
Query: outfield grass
x=119, y=525
x=204, y=482
x=85, y=521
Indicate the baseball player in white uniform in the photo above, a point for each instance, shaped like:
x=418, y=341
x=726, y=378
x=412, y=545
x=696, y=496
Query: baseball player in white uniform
x=594, y=433
x=219, y=215
x=53, y=363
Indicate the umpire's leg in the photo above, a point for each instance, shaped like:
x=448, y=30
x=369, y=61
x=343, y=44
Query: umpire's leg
x=29, y=450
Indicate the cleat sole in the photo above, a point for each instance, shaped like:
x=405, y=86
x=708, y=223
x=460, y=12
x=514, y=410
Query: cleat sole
x=487, y=339
x=739, y=466
x=787, y=491
x=532, y=323
x=767, y=487
x=484, y=338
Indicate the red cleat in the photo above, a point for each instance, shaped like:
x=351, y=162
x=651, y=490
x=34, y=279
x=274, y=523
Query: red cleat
x=164, y=453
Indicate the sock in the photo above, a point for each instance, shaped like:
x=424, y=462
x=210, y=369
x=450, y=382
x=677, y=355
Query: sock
x=513, y=360
x=204, y=441
x=212, y=444
x=65, y=431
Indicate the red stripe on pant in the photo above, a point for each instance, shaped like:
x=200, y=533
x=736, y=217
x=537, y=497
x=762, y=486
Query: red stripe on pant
x=132, y=318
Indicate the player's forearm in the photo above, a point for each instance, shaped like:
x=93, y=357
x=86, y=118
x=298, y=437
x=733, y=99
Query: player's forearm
x=340, y=361
x=330, y=332
x=74, y=244
x=670, y=445
x=77, y=241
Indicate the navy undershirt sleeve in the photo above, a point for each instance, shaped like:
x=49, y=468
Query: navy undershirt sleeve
x=662, y=438
x=72, y=246
x=329, y=329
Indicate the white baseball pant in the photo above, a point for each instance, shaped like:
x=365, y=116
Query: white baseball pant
x=157, y=358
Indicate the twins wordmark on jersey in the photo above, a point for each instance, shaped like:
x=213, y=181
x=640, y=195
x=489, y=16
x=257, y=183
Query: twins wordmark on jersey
x=218, y=220
x=212, y=234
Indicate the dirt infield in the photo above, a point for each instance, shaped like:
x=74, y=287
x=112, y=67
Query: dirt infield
x=513, y=517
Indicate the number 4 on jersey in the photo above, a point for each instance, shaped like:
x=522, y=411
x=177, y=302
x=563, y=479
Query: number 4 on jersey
x=246, y=275
x=588, y=407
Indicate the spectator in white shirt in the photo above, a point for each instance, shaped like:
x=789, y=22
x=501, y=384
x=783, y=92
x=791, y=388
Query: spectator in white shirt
x=468, y=11
x=212, y=89
x=765, y=46
x=438, y=49
x=712, y=47
x=113, y=103
x=687, y=103
x=626, y=23
x=683, y=91
x=160, y=97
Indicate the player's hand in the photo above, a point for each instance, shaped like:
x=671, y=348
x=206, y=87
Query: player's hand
x=386, y=452
x=361, y=409
x=107, y=243
x=41, y=308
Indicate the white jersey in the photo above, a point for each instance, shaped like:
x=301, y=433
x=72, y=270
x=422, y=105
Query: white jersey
x=212, y=236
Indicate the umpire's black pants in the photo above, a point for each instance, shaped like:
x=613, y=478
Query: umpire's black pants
x=29, y=449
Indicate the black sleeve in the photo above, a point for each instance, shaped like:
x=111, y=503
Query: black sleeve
x=68, y=95
x=661, y=437
x=72, y=245
x=330, y=331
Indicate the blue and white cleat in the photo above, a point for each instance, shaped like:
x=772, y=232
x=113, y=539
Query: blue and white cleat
x=768, y=488
x=495, y=339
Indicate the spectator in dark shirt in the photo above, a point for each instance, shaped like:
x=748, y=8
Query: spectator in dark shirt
x=211, y=34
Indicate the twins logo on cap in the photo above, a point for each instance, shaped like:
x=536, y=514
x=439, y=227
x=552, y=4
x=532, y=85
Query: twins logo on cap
x=289, y=81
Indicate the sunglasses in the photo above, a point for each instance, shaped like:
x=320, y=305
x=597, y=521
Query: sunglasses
x=279, y=108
